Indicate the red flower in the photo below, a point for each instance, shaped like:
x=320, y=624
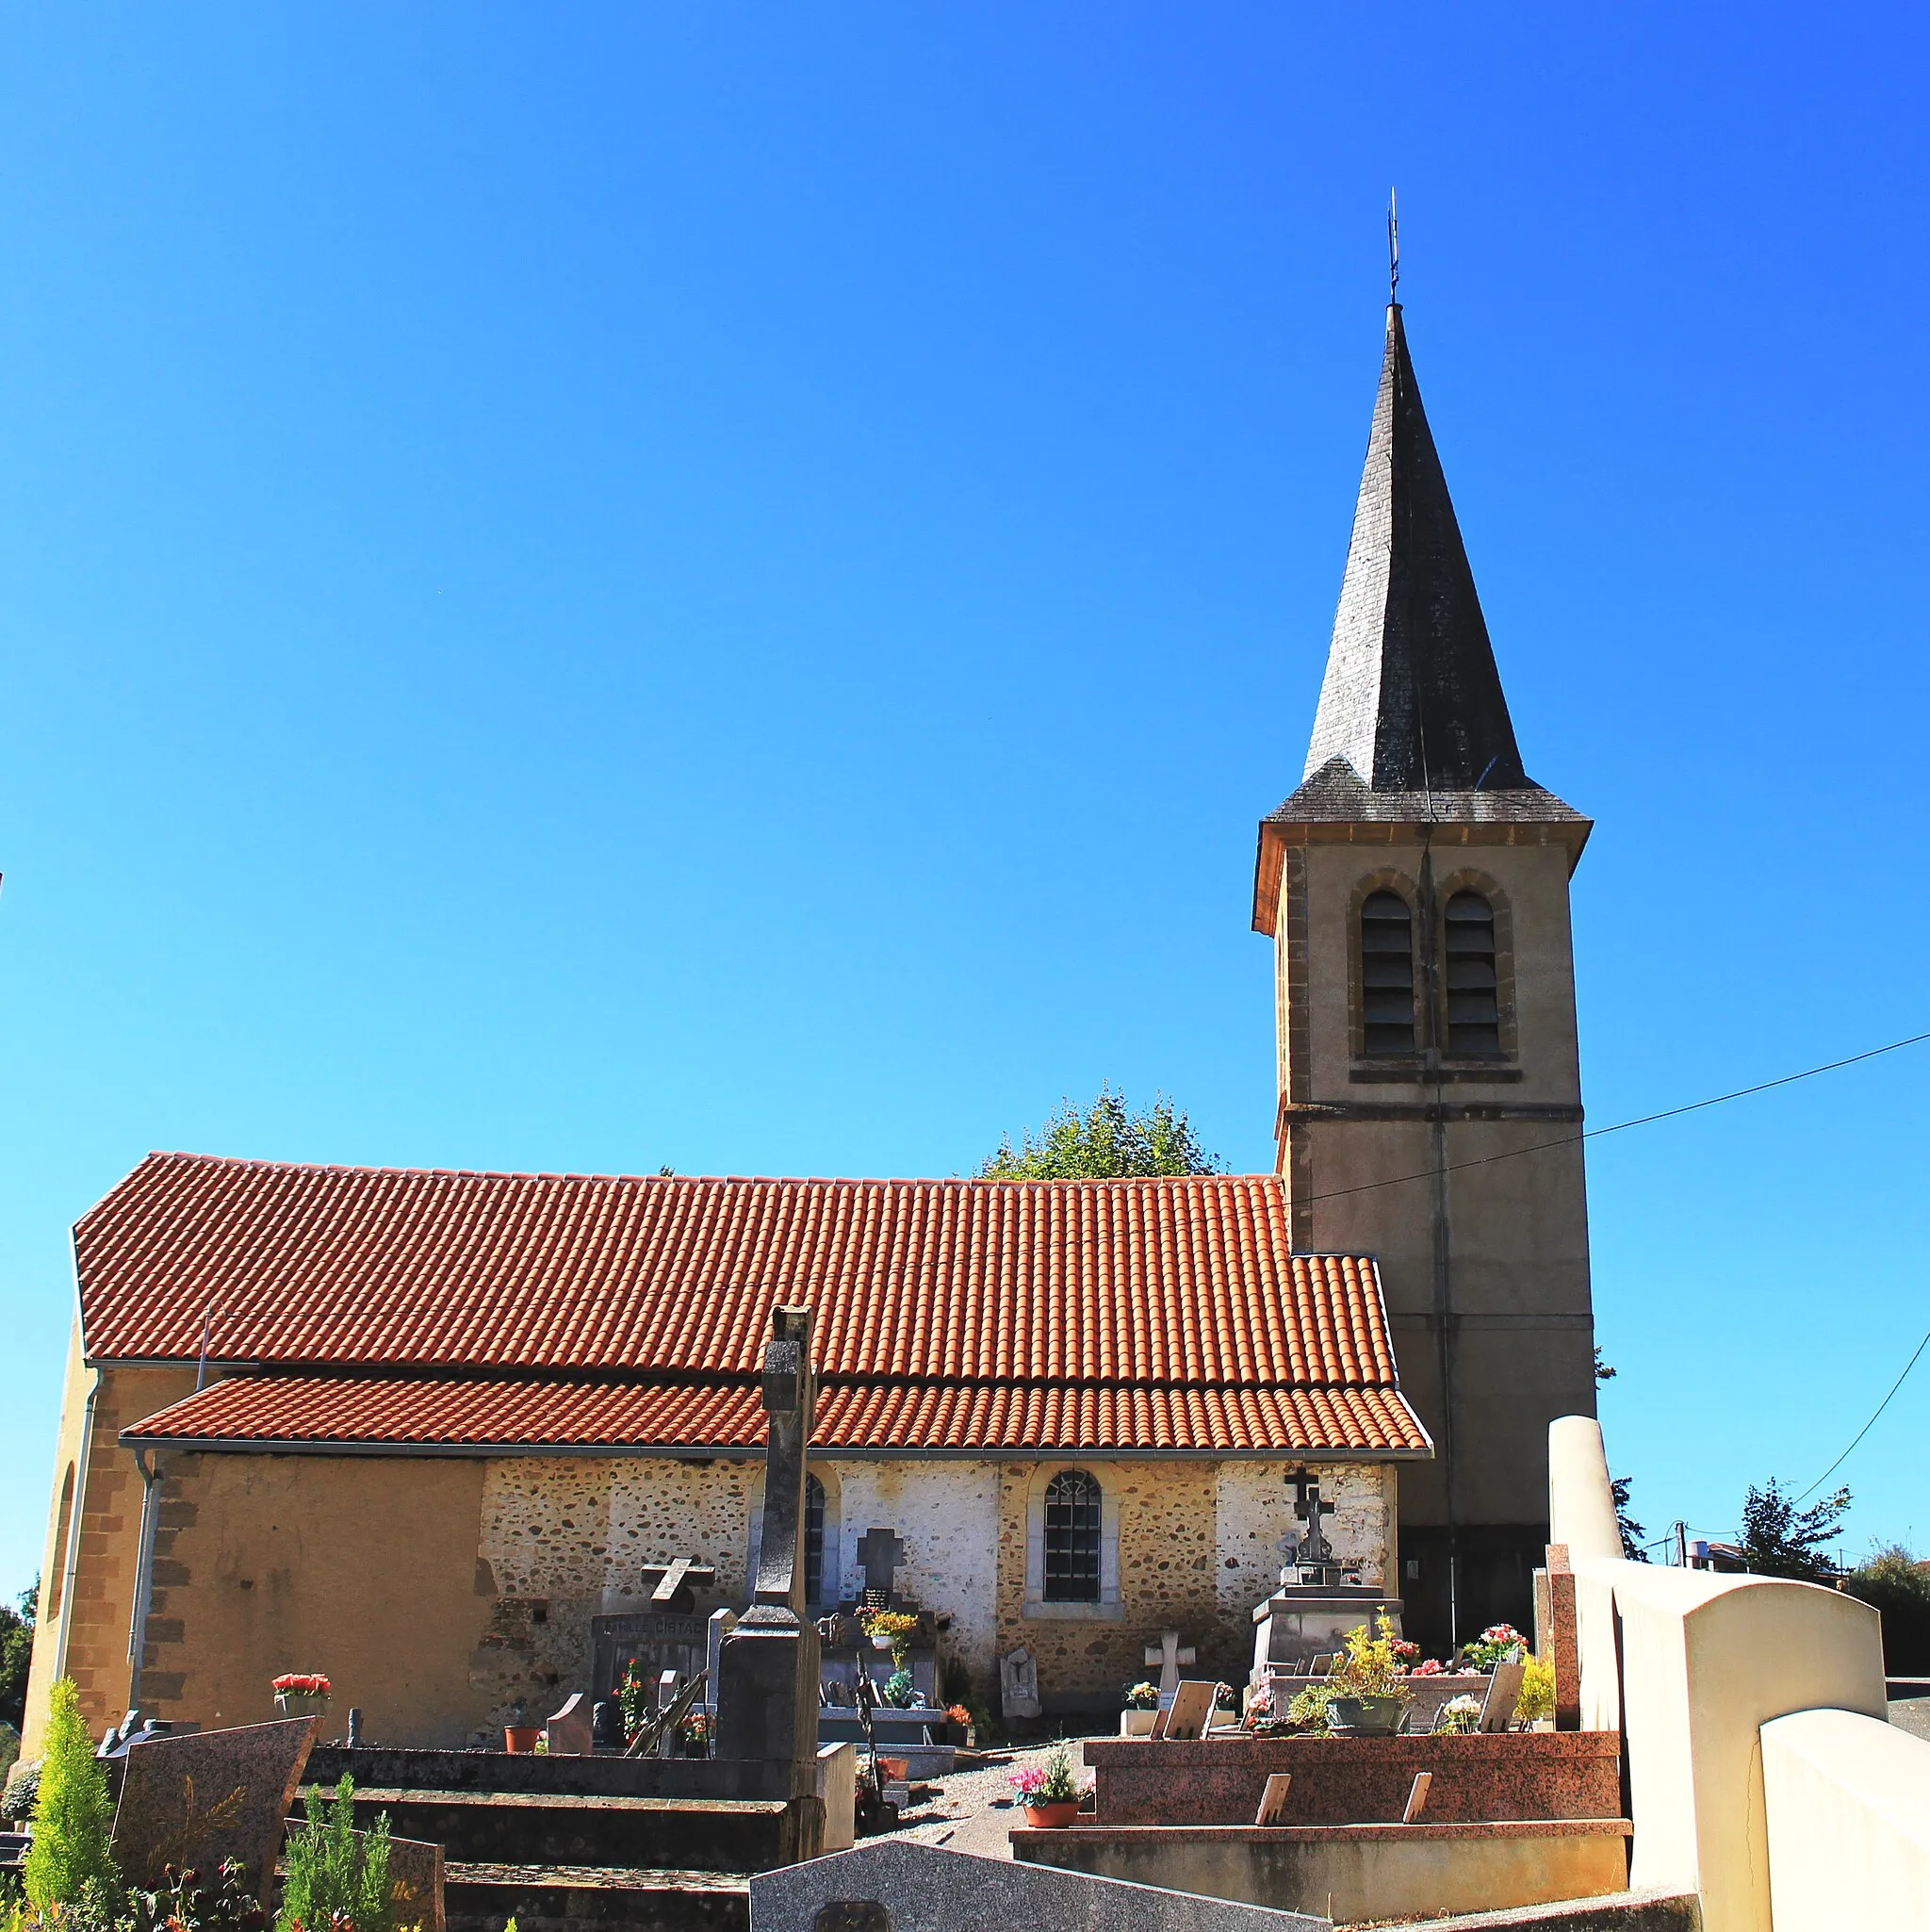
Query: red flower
x=297, y=1683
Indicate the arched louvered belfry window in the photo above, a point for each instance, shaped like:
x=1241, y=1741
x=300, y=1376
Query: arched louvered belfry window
x=1474, y=1005
x=1071, y=1538
x=1386, y=974
x=814, y=1540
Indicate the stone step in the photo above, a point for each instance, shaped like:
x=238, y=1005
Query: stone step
x=584, y=1832
x=483, y=1897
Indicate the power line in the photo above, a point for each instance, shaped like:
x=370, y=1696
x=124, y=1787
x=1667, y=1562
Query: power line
x=1868, y=1425
x=1622, y=1128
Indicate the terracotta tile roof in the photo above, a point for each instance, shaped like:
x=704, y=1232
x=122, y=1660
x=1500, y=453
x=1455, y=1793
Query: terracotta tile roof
x=955, y=1313
x=545, y=1412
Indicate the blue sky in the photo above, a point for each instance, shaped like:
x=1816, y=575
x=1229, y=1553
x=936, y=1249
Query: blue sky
x=596, y=586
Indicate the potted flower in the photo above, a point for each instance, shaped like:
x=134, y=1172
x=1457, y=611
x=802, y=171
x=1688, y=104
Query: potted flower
x=301, y=1694
x=1143, y=1709
x=890, y=1629
x=1498, y=1644
x=694, y=1734
x=1458, y=1716
x=1370, y=1694
x=900, y=1692
x=1050, y=1792
x=959, y=1717
x=1535, y=1707
x=634, y=1693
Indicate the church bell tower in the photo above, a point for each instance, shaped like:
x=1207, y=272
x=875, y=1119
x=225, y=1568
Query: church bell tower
x=1416, y=887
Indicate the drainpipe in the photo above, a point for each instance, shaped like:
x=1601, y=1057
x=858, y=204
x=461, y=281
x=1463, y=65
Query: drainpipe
x=71, y=1556
x=143, y=1570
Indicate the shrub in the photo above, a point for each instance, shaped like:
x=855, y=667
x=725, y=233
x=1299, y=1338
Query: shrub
x=22, y=1790
x=333, y=1874
x=1899, y=1587
x=1537, y=1698
x=1308, y=1710
x=73, y=1815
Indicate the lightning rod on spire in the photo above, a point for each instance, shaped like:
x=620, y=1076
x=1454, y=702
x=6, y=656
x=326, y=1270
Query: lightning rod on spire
x=1393, y=252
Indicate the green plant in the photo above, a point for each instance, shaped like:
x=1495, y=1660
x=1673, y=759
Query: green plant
x=635, y=1694
x=1307, y=1709
x=901, y=1694
x=184, y=1903
x=1537, y=1698
x=1142, y=1697
x=22, y=1788
x=16, y=1653
x=898, y=1624
x=73, y=1815
x=1779, y=1540
x=1899, y=1587
x=1106, y=1142
x=1058, y=1786
x=1368, y=1664
x=335, y=1873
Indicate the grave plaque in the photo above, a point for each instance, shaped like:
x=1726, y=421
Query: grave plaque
x=414, y=1883
x=1019, y=1683
x=209, y=1796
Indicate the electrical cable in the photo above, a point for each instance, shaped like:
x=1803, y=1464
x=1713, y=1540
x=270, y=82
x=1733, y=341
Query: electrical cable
x=1868, y=1425
x=1620, y=1127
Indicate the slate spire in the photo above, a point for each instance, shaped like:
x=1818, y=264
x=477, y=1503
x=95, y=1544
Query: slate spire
x=1411, y=699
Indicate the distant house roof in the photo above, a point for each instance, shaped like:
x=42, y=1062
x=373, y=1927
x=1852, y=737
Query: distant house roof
x=379, y=1307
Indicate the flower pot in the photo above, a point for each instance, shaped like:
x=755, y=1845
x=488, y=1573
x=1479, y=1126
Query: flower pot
x=299, y=1704
x=1366, y=1717
x=1053, y=1816
x=883, y=1643
x=520, y=1738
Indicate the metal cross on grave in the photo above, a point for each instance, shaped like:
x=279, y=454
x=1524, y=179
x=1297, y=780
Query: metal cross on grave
x=1310, y=1507
x=880, y=1551
x=1169, y=1654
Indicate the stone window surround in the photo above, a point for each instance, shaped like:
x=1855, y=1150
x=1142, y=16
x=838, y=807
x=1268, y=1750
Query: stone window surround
x=1463, y=879
x=1110, y=1609
x=833, y=1572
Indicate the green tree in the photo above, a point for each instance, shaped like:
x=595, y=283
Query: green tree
x=1778, y=1540
x=16, y=1653
x=1106, y=1141
x=72, y=1814
x=1632, y=1532
x=1898, y=1586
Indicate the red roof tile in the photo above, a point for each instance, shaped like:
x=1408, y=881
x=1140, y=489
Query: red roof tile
x=543, y=1413
x=949, y=1313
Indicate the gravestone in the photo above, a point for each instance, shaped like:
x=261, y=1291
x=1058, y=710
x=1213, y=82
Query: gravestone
x=1504, y=1693
x=718, y=1628
x=1555, y=1636
x=414, y=1883
x=892, y=1885
x=767, y=1691
x=880, y=1551
x=1169, y=1653
x=568, y=1732
x=1017, y=1684
x=209, y=1796
x=1309, y=1551
x=1190, y=1713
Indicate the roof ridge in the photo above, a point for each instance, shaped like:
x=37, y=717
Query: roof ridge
x=326, y=1167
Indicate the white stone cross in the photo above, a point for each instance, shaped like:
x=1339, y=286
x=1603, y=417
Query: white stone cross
x=1168, y=1654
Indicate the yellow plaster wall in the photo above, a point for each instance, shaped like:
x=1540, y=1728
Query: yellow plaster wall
x=94, y=1621
x=363, y=1567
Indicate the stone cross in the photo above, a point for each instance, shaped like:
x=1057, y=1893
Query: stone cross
x=880, y=1551
x=670, y=1585
x=767, y=1693
x=1310, y=1507
x=1168, y=1654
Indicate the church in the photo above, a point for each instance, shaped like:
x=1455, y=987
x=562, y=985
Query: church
x=425, y=1432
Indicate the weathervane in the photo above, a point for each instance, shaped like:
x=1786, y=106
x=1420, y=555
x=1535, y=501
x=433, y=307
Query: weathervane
x=1393, y=253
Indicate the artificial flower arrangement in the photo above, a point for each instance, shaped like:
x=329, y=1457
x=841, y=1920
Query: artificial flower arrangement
x=1142, y=1697
x=895, y=1626
x=958, y=1715
x=694, y=1734
x=634, y=1692
x=1459, y=1715
x=1498, y=1644
x=900, y=1692
x=1428, y=1668
x=300, y=1683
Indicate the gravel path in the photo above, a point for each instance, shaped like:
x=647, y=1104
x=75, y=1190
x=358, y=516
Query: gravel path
x=973, y=1811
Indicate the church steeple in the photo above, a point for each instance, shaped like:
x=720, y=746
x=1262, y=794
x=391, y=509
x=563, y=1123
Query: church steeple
x=1411, y=699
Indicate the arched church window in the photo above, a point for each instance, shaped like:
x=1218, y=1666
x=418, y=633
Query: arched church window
x=1071, y=1538
x=1386, y=974
x=814, y=1540
x=1474, y=1011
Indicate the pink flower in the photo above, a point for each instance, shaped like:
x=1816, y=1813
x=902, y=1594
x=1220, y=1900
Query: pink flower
x=1027, y=1782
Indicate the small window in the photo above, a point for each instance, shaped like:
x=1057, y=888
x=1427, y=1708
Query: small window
x=814, y=1540
x=1386, y=974
x=1474, y=1012
x=1071, y=1538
